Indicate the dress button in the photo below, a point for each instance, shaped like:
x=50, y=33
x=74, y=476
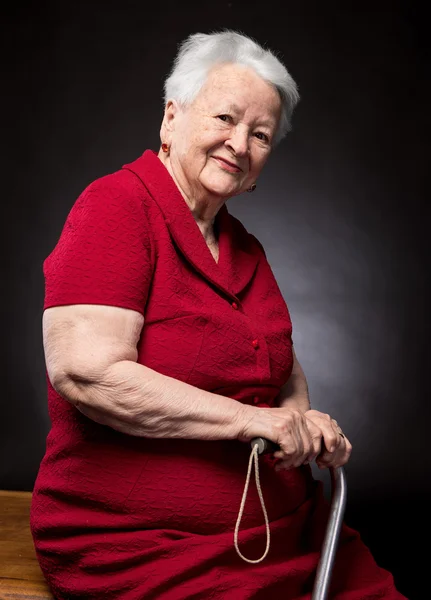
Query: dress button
x=256, y=399
x=255, y=344
x=235, y=305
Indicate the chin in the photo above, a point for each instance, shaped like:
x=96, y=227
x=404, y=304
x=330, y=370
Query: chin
x=223, y=192
x=221, y=189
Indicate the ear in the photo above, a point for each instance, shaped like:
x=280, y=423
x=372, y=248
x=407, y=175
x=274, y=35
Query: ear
x=171, y=112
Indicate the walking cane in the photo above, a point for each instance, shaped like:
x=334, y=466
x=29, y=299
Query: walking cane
x=333, y=528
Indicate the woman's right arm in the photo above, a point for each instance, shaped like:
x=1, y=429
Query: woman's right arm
x=91, y=354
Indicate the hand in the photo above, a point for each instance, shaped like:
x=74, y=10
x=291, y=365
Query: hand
x=336, y=449
x=298, y=438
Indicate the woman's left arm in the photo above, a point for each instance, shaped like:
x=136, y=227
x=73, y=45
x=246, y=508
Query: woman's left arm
x=294, y=393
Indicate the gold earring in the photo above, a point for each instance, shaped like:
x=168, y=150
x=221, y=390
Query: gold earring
x=165, y=147
x=252, y=188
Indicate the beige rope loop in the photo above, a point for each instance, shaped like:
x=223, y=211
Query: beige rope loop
x=256, y=470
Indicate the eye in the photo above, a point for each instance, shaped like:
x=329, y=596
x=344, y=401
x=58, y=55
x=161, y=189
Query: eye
x=225, y=118
x=262, y=136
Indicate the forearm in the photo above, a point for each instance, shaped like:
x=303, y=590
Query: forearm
x=139, y=401
x=294, y=394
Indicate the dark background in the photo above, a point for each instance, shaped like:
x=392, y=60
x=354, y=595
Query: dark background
x=340, y=210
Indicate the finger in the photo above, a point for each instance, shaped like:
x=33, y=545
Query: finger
x=316, y=441
x=328, y=426
x=298, y=454
x=331, y=437
x=337, y=459
x=334, y=447
x=288, y=445
x=298, y=458
x=339, y=454
x=306, y=444
x=330, y=459
x=347, y=451
x=291, y=441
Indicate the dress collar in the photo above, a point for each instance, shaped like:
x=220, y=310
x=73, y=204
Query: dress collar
x=238, y=254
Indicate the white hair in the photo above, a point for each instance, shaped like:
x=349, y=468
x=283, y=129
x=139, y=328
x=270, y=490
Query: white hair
x=200, y=52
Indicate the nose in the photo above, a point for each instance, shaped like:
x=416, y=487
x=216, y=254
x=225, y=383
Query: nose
x=239, y=141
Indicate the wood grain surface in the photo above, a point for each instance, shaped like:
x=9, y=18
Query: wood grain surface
x=20, y=574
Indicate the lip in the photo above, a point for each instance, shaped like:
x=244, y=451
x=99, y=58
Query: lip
x=233, y=167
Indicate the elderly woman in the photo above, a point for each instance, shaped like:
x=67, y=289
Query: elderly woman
x=168, y=348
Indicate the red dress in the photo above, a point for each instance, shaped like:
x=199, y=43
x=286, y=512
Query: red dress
x=120, y=517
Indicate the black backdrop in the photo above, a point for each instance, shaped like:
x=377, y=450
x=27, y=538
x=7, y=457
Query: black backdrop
x=339, y=210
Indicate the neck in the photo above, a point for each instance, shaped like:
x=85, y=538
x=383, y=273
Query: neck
x=204, y=207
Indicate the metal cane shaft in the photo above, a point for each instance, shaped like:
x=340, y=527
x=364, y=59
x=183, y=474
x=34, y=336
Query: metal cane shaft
x=332, y=534
x=333, y=528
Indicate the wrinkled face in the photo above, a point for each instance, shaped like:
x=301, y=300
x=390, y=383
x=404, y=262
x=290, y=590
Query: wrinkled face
x=219, y=143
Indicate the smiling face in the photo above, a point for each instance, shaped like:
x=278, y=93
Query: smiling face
x=219, y=144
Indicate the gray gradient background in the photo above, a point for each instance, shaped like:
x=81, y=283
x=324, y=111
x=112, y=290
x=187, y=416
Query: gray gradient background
x=340, y=210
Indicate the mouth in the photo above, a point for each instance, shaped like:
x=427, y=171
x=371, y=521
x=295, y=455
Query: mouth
x=232, y=167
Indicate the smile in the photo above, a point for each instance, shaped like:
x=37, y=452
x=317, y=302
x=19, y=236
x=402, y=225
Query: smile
x=228, y=166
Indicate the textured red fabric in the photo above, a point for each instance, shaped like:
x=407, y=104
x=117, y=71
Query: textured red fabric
x=115, y=516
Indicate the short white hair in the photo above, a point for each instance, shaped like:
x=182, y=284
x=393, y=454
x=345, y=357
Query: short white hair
x=200, y=52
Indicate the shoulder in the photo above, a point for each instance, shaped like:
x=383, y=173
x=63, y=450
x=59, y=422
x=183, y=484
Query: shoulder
x=111, y=211
x=115, y=198
x=119, y=187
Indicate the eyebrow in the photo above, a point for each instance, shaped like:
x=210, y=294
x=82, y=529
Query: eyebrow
x=264, y=123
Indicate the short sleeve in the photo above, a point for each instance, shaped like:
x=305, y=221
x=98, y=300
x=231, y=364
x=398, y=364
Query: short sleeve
x=104, y=254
